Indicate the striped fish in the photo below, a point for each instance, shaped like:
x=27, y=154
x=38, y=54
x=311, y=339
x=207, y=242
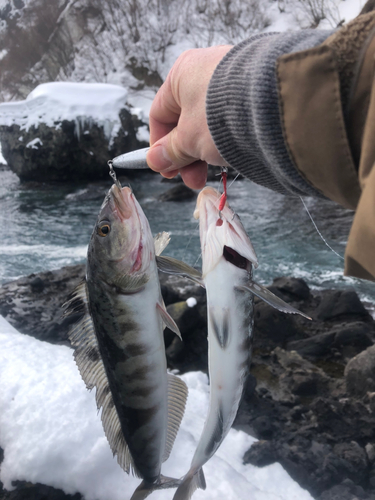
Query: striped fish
x=119, y=345
x=228, y=258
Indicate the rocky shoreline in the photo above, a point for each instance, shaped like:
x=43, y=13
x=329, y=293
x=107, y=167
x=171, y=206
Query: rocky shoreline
x=310, y=398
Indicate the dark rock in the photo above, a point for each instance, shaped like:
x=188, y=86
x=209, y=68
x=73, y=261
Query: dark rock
x=263, y=427
x=60, y=154
x=301, y=377
x=261, y=453
x=33, y=304
x=296, y=288
x=346, y=491
x=186, y=317
x=37, y=285
x=355, y=335
x=30, y=491
x=360, y=373
x=271, y=327
x=318, y=345
x=178, y=193
x=353, y=460
x=336, y=303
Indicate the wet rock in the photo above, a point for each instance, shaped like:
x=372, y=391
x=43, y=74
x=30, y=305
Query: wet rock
x=178, y=193
x=295, y=288
x=360, y=373
x=337, y=303
x=355, y=335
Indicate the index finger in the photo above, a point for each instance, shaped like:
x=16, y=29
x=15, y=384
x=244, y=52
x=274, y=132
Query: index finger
x=164, y=113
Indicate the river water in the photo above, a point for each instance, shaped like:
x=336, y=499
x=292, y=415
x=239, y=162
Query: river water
x=46, y=227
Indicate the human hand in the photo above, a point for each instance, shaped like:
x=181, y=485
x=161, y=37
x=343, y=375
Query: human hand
x=179, y=134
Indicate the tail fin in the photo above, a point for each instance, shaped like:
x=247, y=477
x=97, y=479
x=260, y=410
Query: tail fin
x=189, y=484
x=146, y=488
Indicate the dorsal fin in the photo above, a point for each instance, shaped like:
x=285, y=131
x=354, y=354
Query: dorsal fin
x=177, y=396
x=87, y=356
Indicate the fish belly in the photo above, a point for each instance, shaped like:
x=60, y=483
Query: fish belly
x=230, y=323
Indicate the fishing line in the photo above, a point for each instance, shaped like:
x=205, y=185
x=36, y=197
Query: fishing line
x=230, y=185
x=317, y=230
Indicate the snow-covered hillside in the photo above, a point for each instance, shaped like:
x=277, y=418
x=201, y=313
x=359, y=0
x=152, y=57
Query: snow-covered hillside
x=133, y=44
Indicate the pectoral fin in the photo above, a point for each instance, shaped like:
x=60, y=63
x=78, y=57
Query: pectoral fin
x=170, y=265
x=161, y=241
x=263, y=293
x=167, y=319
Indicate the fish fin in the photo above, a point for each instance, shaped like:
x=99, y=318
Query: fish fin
x=170, y=265
x=90, y=365
x=161, y=241
x=167, y=319
x=145, y=488
x=177, y=396
x=189, y=484
x=273, y=300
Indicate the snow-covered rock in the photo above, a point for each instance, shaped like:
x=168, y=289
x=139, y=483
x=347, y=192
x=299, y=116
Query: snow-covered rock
x=64, y=131
x=51, y=434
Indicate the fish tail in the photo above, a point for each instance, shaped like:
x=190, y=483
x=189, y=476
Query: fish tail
x=191, y=482
x=146, y=488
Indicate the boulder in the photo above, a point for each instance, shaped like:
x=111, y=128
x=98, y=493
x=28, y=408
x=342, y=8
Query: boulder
x=360, y=373
x=336, y=303
x=66, y=131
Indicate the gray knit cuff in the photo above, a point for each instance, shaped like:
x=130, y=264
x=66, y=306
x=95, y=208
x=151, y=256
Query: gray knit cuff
x=243, y=110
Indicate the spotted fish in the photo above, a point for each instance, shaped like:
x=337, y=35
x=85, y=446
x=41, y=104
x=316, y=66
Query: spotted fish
x=228, y=258
x=118, y=341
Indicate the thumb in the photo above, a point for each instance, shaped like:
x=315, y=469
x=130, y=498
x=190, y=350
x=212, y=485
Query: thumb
x=169, y=153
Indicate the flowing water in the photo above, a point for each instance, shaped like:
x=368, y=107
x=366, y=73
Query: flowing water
x=46, y=227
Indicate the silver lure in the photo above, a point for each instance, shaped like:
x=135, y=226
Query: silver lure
x=134, y=160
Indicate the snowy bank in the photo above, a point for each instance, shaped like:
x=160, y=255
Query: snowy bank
x=51, y=433
x=51, y=103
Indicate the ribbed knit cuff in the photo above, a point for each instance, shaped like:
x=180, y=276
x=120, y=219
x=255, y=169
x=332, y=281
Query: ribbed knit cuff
x=243, y=110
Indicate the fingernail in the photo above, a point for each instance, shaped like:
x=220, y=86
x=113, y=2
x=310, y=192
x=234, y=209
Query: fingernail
x=159, y=158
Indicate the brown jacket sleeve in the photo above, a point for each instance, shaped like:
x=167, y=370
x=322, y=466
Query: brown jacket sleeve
x=327, y=110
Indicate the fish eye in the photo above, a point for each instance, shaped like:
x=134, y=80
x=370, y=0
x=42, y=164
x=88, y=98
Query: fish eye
x=103, y=229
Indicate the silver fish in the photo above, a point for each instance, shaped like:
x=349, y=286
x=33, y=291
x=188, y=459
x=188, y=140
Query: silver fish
x=228, y=258
x=119, y=345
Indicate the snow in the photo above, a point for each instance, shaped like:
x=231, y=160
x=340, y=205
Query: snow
x=83, y=103
x=34, y=143
x=191, y=302
x=51, y=433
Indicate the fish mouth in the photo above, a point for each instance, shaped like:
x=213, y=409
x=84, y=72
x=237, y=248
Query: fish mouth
x=123, y=201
